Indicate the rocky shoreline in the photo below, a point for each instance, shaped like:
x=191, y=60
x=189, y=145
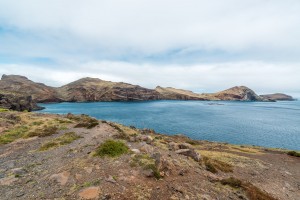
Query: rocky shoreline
x=45, y=156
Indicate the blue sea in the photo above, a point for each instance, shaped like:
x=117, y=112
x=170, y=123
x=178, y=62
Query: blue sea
x=269, y=124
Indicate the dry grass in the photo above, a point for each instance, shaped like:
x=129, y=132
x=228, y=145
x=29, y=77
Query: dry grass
x=43, y=132
x=214, y=166
x=253, y=193
x=66, y=138
x=293, y=153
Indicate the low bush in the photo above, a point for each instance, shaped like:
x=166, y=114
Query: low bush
x=293, y=153
x=13, y=134
x=3, y=110
x=112, y=148
x=87, y=122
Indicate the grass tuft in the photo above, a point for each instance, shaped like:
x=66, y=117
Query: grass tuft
x=3, y=110
x=87, y=122
x=232, y=182
x=13, y=134
x=112, y=148
x=66, y=138
x=214, y=165
x=43, y=132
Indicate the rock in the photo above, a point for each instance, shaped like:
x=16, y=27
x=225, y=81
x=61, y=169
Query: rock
x=61, y=178
x=146, y=138
x=162, y=164
x=7, y=180
x=18, y=171
x=88, y=169
x=17, y=101
x=148, y=172
x=146, y=148
x=173, y=146
x=185, y=146
x=111, y=179
x=278, y=97
x=190, y=153
x=136, y=151
x=90, y=193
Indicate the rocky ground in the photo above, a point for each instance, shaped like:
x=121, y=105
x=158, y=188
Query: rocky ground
x=59, y=157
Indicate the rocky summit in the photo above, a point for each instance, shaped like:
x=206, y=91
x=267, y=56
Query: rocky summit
x=45, y=156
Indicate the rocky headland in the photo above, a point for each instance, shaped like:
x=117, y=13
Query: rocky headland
x=45, y=156
x=278, y=97
x=94, y=89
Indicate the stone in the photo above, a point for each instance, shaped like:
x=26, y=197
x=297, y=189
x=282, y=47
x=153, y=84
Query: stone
x=173, y=146
x=18, y=171
x=190, y=153
x=136, y=151
x=146, y=148
x=111, y=179
x=148, y=172
x=185, y=146
x=90, y=193
x=61, y=178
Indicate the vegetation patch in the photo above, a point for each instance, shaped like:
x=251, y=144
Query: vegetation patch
x=43, y=132
x=3, y=110
x=87, y=122
x=146, y=162
x=123, y=133
x=214, y=166
x=112, y=148
x=252, y=191
x=13, y=134
x=293, y=153
x=66, y=138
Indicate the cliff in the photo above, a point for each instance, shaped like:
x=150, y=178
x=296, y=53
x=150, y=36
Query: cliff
x=278, y=97
x=16, y=101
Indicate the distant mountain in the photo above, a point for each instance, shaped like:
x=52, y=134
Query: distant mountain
x=278, y=97
x=94, y=89
x=22, y=85
x=238, y=93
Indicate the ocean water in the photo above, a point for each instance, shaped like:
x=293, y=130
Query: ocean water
x=269, y=124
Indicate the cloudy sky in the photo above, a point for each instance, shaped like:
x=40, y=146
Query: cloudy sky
x=201, y=45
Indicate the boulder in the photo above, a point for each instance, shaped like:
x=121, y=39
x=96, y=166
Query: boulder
x=189, y=153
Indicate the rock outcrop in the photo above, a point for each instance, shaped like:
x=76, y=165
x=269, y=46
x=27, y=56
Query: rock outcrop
x=277, y=97
x=19, y=102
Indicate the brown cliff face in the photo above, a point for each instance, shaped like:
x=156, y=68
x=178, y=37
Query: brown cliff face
x=19, y=102
x=93, y=89
x=278, y=97
x=238, y=93
x=169, y=93
x=20, y=84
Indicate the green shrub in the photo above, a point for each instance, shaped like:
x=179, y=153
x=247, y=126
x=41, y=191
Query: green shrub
x=111, y=148
x=3, y=110
x=293, y=153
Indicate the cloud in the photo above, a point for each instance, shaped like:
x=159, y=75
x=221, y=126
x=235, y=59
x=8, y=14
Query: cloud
x=193, y=44
x=143, y=28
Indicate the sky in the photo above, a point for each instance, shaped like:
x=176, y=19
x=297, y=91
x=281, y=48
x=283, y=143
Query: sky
x=200, y=45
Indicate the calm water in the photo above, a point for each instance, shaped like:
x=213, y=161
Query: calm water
x=254, y=123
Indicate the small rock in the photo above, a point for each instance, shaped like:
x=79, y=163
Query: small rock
x=18, y=171
x=136, y=151
x=90, y=193
x=88, y=169
x=190, y=153
x=148, y=172
x=185, y=146
x=173, y=146
x=111, y=179
x=146, y=148
x=61, y=178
